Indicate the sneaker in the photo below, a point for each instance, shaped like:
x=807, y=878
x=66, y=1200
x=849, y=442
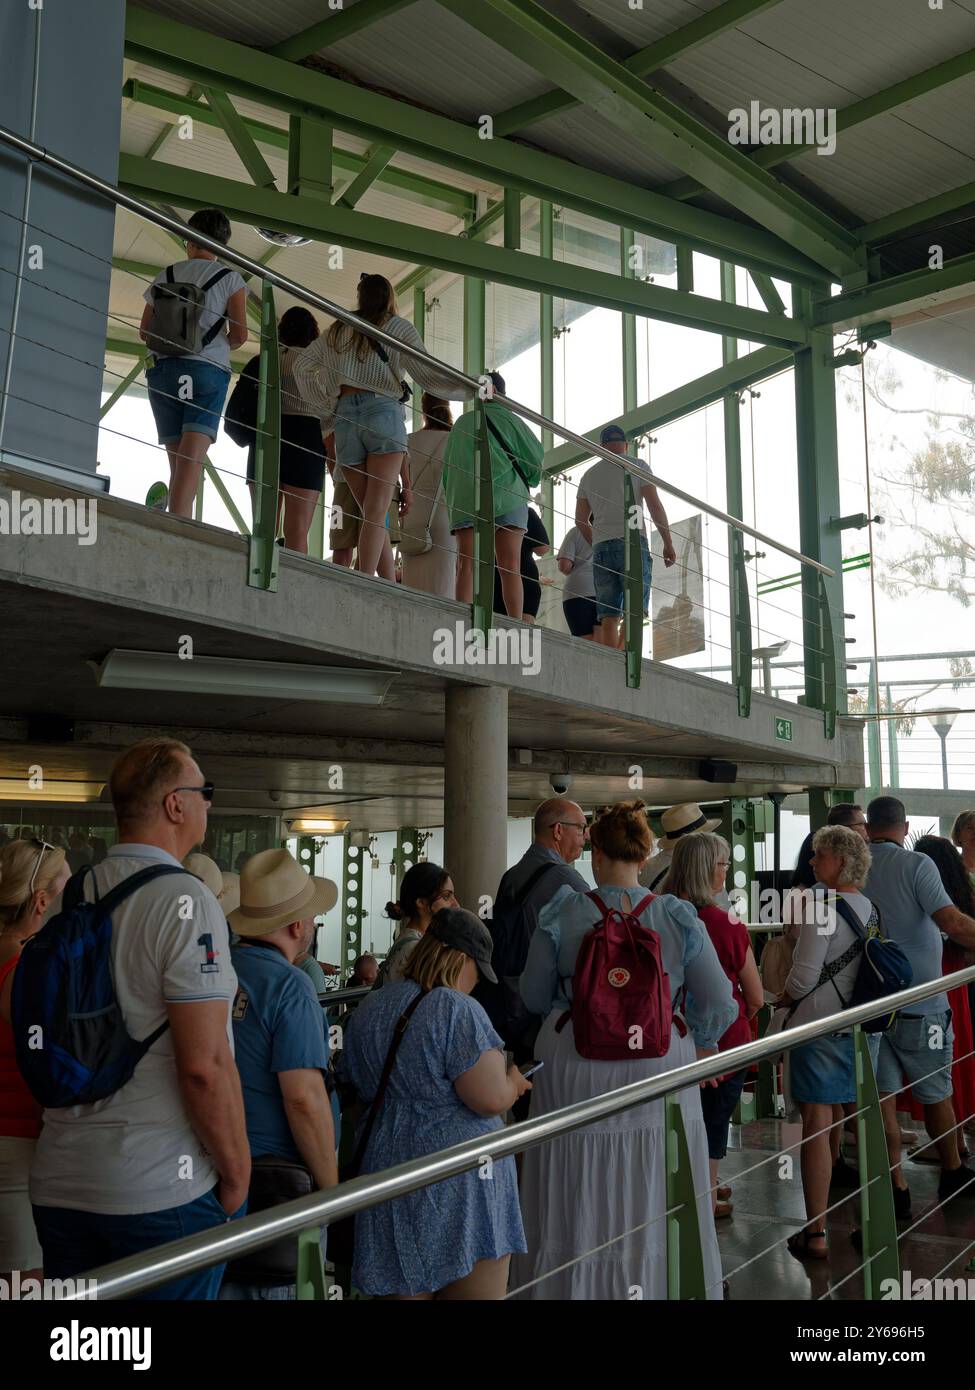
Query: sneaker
x=902, y=1203
x=844, y=1175
x=956, y=1180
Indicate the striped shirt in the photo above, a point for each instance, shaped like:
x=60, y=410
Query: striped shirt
x=320, y=371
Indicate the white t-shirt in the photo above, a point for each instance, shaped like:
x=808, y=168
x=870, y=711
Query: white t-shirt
x=197, y=272
x=823, y=937
x=578, y=583
x=602, y=487
x=136, y=1151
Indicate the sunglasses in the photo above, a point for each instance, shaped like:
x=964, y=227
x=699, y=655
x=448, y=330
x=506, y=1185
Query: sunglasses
x=206, y=791
x=42, y=848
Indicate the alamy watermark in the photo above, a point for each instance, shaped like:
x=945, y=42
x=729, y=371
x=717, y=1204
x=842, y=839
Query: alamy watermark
x=793, y=125
x=21, y=1288
x=927, y=1290
x=502, y=646
x=49, y=516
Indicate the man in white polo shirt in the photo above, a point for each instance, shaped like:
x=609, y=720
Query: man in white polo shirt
x=166, y=1155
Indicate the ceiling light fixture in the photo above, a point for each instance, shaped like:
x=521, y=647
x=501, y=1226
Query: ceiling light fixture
x=18, y=789
x=308, y=826
x=218, y=675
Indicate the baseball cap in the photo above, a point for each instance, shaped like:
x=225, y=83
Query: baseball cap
x=612, y=432
x=460, y=929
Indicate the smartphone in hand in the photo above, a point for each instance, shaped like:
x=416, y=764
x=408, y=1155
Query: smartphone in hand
x=528, y=1069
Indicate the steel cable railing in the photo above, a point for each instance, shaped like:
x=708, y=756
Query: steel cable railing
x=138, y=1273
x=477, y=386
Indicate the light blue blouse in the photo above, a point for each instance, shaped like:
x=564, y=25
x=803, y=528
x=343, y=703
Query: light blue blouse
x=688, y=956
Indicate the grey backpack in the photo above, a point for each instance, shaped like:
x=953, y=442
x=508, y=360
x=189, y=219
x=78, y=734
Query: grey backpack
x=177, y=314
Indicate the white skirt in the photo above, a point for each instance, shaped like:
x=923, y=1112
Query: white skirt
x=19, y=1246
x=581, y=1190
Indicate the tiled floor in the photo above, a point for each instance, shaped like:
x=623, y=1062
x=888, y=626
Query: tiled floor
x=769, y=1207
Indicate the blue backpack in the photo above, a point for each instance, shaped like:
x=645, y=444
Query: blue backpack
x=70, y=1037
x=883, y=970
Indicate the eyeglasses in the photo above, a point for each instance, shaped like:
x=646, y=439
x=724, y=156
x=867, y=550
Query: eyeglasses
x=574, y=824
x=206, y=791
x=42, y=845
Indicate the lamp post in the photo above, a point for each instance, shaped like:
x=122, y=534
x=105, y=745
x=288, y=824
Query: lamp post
x=941, y=721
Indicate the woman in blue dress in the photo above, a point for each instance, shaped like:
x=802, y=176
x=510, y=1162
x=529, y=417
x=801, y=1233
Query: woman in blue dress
x=454, y=1239
x=581, y=1192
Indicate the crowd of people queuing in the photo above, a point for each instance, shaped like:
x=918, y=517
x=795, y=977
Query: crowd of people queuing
x=236, y=1101
x=343, y=397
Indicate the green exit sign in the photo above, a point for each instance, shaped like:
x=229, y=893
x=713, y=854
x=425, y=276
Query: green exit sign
x=783, y=730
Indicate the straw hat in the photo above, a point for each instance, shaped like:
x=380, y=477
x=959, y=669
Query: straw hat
x=229, y=896
x=276, y=890
x=687, y=819
x=201, y=866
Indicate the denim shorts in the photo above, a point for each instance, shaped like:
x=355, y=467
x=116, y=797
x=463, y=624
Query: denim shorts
x=609, y=575
x=517, y=519
x=205, y=388
x=918, y=1049
x=367, y=423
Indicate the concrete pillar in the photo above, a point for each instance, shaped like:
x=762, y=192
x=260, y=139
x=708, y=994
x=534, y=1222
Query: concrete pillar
x=73, y=109
x=476, y=791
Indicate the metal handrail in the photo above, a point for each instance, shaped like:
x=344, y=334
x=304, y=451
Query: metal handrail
x=136, y=1273
x=342, y=996
x=637, y=468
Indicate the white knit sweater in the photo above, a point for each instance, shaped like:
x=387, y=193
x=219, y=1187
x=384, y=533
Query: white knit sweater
x=320, y=371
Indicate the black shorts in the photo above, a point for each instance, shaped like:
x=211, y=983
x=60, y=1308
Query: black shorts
x=302, y=454
x=580, y=614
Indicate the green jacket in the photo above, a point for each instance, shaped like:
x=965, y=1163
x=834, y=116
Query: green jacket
x=460, y=464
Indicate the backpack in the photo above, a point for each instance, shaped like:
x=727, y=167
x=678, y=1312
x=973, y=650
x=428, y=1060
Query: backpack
x=240, y=415
x=776, y=963
x=883, y=970
x=511, y=928
x=64, y=986
x=177, y=313
x=621, y=1007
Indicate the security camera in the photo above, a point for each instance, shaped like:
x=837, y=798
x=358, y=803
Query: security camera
x=560, y=782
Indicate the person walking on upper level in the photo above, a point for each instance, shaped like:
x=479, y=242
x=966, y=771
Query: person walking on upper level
x=428, y=548
x=358, y=381
x=165, y=1155
x=914, y=910
x=578, y=587
x=583, y=1190
x=195, y=313
x=601, y=518
x=516, y=467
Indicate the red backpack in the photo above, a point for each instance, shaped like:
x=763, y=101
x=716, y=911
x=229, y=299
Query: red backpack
x=621, y=1007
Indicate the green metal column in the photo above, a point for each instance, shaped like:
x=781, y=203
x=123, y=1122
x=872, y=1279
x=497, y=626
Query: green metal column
x=685, y=1261
x=820, y=802
x=354, y=860
x=546, y=343
x=419, y=323
x=309, y=158
x=406, y=852
x=630, y=389
x=262, y=570
x=819, y=501
x=881, y=1254
x=474, y=314
x=512, y=219
x=739, y=604
x=874, y=758
x=893, y=755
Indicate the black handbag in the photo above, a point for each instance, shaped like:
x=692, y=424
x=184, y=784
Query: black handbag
x=273, y=1181
x=240, y=414
x=341, y=1233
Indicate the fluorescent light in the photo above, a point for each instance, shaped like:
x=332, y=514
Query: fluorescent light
x=305, y=826
x=18, y=789
x=218, y=675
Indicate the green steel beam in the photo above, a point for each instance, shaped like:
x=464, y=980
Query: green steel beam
x=240, y=137
x=693, y=395
x=376, y=161
x=546, y=357
x=918, y=215
x=899, y=295
x=739, y=604
x=399, y=182
x=685, y=271
x=310, y=148
x=646, y=60
x=341, y=24
x=142, y=269
x=263, y=207
x=474, y=325
x=476, y=231
x=198, y=57
x=817, y=457
x=770, y=295
x=630, y=394
x=420, y=324
x=213, y=473
x=121, y=388
x=654, y=122
x=512, y=219
x=767, y=156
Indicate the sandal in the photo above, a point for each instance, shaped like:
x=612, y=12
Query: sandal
x=722, y=1193
x=800, y=1247
x=722, y=1211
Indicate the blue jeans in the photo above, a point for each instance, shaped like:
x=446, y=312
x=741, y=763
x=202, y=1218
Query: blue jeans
x=609, y=576
x=186, y=394
x=368, y=423
x=75, y=1242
